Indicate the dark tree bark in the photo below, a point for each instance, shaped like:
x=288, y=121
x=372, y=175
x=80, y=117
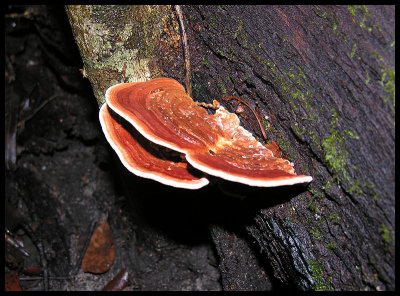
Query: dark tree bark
x=323, y=79
x=324, y=76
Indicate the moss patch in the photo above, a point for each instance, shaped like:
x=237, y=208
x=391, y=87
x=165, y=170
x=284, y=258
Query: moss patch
x=317, y=271
x=387, y=235
x=334, y=147
x=388, y=83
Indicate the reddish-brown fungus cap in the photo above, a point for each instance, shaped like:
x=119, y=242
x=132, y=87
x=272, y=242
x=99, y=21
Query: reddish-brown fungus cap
x=142, y=158
x=162, y=112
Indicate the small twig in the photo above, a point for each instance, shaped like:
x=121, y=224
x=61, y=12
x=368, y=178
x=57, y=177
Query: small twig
x=25, y=14
x=188, y=82
x=215, y=105
x=252, y=110
x=39, y=246
x=38, y=278
x=15, y=243
x=79, y=263
x=34, y=112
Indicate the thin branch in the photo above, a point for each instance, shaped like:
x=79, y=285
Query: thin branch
x=40, y=107
x=252, y=110
x=188, y=82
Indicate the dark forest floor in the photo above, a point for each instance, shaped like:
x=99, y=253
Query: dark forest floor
x=65, y=175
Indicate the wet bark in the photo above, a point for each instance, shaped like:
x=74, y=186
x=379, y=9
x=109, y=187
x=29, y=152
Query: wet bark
x=324, y=76
x=323, y=80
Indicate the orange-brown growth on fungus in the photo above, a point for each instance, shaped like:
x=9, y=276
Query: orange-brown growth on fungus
x=273, y=146
x=252, y=110
x=162, y=112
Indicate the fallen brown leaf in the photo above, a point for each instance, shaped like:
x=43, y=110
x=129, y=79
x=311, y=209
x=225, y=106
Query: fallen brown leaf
x=119, y=282
x=11, y=282
x=100, y=253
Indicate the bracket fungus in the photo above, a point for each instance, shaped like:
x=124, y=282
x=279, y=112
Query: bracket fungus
x=161, y=114
x=144, y=158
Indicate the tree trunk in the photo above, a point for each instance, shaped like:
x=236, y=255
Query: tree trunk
x=323, y=79
x=324, y=76
x=120, y=43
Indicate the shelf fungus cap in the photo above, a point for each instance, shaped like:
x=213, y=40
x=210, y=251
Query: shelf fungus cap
x=146, y=159
x=162, y=112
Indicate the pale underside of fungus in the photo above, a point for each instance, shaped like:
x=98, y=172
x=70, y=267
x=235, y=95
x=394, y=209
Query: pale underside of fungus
x=165, y=136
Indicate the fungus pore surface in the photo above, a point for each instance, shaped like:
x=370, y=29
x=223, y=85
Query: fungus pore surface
x=162, y=112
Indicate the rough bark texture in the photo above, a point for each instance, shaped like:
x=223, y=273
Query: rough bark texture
x=118, y=43
x=323, y=79
x=239, y=267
